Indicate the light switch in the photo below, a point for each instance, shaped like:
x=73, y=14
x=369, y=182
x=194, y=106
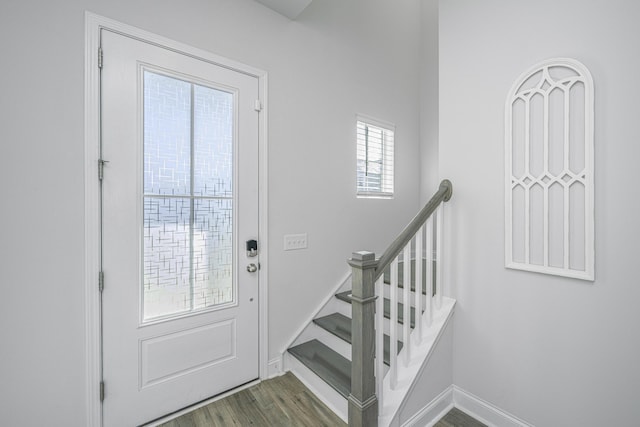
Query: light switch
x=294, y=242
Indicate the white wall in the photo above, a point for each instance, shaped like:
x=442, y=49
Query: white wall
x=552, y=351
x=429, y=100
x=335, y=61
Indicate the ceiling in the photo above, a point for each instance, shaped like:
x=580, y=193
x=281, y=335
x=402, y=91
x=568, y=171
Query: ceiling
x=289, y=8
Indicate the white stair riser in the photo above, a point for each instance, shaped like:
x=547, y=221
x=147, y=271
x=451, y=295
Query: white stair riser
x=334, y=306
x=321, y=389
x=335, y=343
x=400, y=295
x=345, y=309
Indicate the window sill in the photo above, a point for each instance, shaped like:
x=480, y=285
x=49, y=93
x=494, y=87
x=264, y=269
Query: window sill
x=374, y=195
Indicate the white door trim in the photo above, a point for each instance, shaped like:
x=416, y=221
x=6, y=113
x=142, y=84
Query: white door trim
x=93, y=24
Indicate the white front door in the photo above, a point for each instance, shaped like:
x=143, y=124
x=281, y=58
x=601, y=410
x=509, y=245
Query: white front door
x=179, y=201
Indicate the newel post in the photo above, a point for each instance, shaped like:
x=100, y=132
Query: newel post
x=363, y=403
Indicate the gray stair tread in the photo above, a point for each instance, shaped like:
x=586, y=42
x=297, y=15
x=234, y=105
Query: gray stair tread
x=334, y=369
x=336, y=323
x=340, y=326
x=346, y=296
x=387, y=275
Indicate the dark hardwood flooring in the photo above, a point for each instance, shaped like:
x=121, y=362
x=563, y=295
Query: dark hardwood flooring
x=457, y=418
x=282, y=401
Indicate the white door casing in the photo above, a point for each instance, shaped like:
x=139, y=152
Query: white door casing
x=155, y=366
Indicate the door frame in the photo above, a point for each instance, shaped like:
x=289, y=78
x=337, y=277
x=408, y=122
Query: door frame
x=92, y=133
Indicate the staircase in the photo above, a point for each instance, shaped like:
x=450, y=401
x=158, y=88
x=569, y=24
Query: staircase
x=329, y=364
x=384, y=365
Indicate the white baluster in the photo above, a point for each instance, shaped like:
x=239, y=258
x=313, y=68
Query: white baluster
x=393, y=325
x=418, y=292
x=439, y=290
x=429, y=272
x=406, y=301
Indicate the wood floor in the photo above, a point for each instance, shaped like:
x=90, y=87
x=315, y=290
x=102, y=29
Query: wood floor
x=281, y=401
x=457, y=418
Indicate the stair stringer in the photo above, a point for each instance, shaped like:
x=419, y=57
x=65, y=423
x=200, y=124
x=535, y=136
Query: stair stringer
x=327, y=306
x=394, y=400
x=309, y=330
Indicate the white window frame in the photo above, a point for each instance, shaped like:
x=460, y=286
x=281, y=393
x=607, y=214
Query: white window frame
x=386, y=188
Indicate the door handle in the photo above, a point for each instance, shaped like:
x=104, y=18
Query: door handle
x=252, y=268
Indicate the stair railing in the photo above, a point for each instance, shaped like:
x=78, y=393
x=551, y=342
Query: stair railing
x=367, y=320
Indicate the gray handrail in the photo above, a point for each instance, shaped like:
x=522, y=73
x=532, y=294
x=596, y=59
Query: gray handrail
x=442, y=195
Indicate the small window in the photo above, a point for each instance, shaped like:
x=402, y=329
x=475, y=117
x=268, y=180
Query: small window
x=374, y=170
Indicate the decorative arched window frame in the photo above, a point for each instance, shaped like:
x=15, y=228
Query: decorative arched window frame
x=549, y=170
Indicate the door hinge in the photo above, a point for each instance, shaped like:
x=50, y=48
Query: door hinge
x=257, y=105
x=100, y=57
x=101, y=281
x=101, y=168
x=101, y=391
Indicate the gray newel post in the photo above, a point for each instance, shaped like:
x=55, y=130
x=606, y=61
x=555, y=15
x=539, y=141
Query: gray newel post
x=363, y=403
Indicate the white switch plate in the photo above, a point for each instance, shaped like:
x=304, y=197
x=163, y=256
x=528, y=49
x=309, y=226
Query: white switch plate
x=294, y=242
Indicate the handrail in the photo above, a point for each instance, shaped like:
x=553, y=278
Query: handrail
x=368, y=307
x=445, y=190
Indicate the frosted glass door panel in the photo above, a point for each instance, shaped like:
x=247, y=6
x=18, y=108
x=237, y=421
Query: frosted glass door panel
x=213, y=252
x=167, y=135
x=188, y=197
x=166, y=256
x=213, y=142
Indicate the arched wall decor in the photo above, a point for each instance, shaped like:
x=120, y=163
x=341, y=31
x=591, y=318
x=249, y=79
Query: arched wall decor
x=549, y=167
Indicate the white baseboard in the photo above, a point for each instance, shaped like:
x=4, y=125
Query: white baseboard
x=484, y=411
x=479, y=409
x=433, y=412
x=275, y=367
